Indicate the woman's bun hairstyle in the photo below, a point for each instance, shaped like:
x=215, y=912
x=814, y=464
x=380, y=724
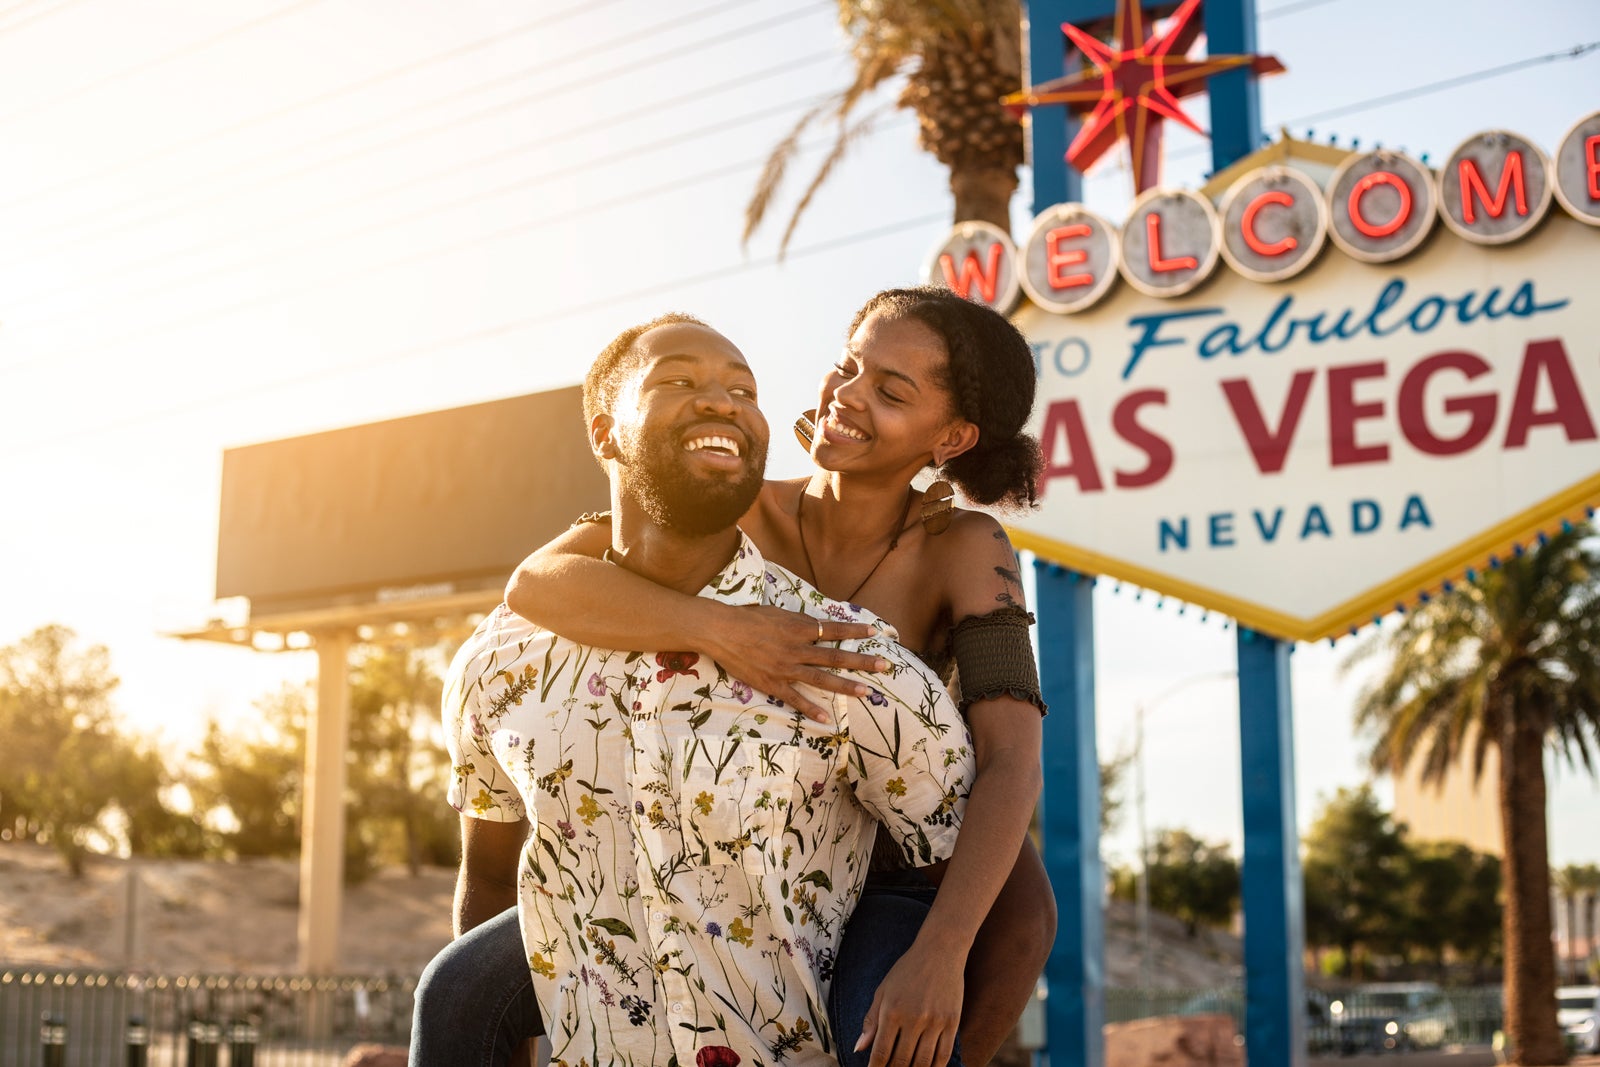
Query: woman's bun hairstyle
x=990, y=376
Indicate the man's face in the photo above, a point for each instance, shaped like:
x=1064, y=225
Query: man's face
x=691, y=443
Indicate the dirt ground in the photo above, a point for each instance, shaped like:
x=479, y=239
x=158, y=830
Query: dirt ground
x=195, y=916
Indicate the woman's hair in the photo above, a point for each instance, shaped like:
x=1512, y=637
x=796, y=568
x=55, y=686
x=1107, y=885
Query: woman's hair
x=990, y=376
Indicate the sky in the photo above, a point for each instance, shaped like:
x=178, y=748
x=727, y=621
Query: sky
x=229, y=223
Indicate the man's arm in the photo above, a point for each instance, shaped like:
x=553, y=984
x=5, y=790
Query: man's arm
x=486, y=885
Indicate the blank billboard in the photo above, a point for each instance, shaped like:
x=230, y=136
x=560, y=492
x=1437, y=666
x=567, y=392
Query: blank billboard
x=449, y=501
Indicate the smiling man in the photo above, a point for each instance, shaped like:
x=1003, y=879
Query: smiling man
x=695, y=848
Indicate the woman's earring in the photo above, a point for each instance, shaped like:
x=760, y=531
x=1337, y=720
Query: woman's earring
x=938, y=506
x=805, y=429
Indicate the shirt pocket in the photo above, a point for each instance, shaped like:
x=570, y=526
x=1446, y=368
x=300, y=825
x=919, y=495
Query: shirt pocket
x=737, y=796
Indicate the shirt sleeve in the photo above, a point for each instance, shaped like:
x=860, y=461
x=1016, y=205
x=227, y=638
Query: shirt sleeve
x=911, y=762
x=479, y=785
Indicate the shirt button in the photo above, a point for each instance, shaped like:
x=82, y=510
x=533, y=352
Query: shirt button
x=677, y=1009
x=660, y=916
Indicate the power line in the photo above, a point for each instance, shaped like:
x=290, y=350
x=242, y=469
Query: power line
x=1290, y=9
x=194, y=48
x=324, y=98
x=369, y=195
x=1575, y=52
x=498, y=330
x=347, y=133
x=38, y=16
x=634, y=196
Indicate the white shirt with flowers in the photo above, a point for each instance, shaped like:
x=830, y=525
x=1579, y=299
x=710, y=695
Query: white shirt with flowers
x=696, y=847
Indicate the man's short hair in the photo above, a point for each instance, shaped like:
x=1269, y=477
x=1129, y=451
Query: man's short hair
x=604, y=380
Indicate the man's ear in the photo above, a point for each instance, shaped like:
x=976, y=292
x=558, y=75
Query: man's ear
x=602, y=441
x=960, y=436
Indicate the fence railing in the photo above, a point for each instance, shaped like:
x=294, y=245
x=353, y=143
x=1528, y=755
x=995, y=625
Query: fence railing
x=55, y=1018
x=52, y=1018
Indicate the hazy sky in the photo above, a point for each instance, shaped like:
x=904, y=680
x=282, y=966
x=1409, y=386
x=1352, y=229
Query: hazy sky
x=223, y=223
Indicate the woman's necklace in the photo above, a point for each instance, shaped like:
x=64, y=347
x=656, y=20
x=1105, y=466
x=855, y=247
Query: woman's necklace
x=899, y=528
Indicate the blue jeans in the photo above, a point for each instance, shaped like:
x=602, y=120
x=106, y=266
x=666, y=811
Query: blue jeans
x=881, y=929
x=475, y=1003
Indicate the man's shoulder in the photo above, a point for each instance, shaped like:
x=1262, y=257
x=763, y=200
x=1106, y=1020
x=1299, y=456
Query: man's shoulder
x=501, y=638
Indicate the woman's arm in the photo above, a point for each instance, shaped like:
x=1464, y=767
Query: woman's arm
x=925, y=989
x=568, y=589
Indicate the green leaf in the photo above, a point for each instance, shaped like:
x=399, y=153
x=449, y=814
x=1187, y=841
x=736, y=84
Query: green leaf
x=818, y=878
x=615, y=926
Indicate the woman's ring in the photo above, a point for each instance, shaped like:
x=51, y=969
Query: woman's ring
x=819, y=629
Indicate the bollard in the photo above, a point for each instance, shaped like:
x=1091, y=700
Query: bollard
x=203, y=1040
x=243, y=1036
x=53, y=1040
x=137, y=1041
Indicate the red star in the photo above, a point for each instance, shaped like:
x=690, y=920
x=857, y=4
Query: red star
x=1130, y=90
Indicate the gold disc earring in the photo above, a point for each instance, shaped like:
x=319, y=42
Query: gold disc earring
x=805, y=429
x=938, y=507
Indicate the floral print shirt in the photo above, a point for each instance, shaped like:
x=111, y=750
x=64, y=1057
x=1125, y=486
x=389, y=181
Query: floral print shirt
x=696, y=847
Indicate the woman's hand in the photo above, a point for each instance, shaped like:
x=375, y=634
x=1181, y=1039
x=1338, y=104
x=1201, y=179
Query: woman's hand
x=773, y=651
x=916, y=1012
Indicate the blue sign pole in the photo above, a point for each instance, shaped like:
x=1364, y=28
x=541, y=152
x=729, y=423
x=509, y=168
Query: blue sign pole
x=1273, y=889
x=1070, y=807
x=1075, y=1012
x=1235, y=101
x=1273, y=892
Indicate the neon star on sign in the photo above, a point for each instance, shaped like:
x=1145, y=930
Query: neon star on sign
x=1129, y=88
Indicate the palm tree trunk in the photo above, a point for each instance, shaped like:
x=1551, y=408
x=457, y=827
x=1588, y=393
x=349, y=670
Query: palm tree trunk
x=1530, y=969
x=1588, y=914
x=983, y=194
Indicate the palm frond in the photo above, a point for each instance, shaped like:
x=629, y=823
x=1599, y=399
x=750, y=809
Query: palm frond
x=777, y=166
x=847, y=137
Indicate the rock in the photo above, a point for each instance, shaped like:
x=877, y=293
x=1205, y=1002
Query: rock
x=1174, y=1041
x=376, y=1056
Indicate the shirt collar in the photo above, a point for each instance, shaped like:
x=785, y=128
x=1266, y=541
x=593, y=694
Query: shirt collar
x=740, y=582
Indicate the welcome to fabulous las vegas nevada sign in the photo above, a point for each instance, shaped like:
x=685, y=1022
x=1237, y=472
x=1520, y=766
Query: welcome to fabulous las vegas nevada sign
x=1306, y=437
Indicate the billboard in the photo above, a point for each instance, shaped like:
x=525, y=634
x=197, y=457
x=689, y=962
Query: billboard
x=406, y=511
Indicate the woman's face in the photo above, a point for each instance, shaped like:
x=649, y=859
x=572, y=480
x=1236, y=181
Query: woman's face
x=884, y=406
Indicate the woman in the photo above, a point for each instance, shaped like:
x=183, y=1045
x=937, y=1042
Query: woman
x=927, y=379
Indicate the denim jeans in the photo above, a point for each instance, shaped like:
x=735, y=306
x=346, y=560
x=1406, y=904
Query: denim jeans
x=881, y=929
x=475, y=1003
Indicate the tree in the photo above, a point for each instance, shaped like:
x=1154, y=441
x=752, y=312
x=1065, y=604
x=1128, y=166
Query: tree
x=1509, y=661
x=247, y=781
x=1193, y=880
x=1451, y=902
x=397, y=766
x=1569, y=885
x=1355, y=867
x=961, y=57
x=56, y=717
x=1585, y=881
x=1113, y=776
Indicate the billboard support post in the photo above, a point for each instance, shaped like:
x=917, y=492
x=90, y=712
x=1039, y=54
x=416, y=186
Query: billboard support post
x=1272, y=891
x=322, y=819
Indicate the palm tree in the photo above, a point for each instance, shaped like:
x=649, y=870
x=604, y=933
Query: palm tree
x=1509, y=661
x=960, y=58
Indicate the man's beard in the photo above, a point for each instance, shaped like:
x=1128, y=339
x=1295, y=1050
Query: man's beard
x=659, y=480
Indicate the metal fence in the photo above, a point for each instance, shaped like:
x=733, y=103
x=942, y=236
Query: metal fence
x=1466, y=1016
x=52, y=1018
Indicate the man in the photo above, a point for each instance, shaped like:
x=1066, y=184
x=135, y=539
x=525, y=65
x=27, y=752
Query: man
x=696, y=848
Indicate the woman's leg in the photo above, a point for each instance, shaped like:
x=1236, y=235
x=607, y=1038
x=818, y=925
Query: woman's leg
x=882, y=927
x=474, y=1003
x=1007, y=957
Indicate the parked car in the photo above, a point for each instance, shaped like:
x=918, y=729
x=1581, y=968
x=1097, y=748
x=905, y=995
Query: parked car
x=1578, y=1015
x=1393, y=1016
